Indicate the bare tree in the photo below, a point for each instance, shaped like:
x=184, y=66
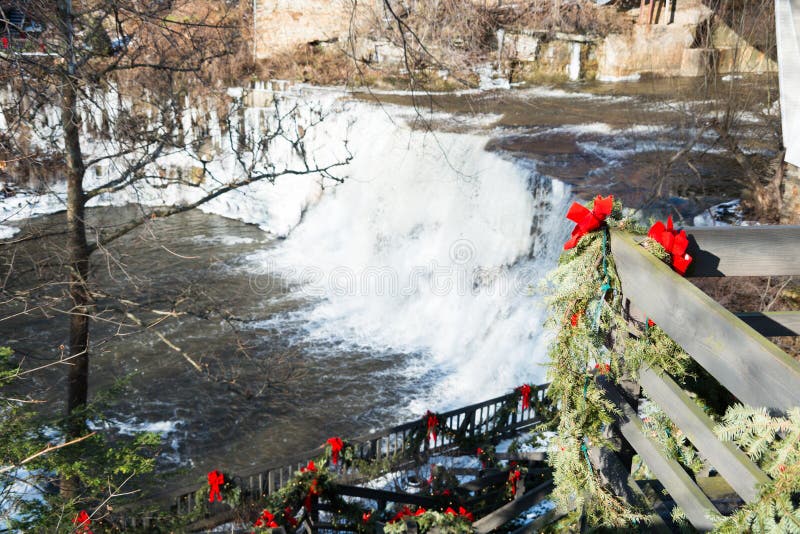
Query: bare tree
x=126, y=63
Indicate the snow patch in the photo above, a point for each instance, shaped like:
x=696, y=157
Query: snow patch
x=7, y=232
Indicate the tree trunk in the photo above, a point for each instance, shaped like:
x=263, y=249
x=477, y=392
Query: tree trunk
x=78, y=254
x=77, y=248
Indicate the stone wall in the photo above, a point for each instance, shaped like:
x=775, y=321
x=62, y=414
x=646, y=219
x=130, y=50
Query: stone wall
x=282, y=25
x=790, y=212
x=666, y=48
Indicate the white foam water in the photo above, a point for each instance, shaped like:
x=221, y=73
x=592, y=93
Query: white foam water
x=430, y=248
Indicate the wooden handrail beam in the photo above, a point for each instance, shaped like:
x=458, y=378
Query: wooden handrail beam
x=614, y=473
x=736, y=467
x=750, y=366
x=698, y=508
x=744, y=251
x=503, y=515
x=785, y=323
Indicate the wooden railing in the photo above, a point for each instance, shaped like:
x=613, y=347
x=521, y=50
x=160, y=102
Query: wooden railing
x=732, y=348
x=395, y=444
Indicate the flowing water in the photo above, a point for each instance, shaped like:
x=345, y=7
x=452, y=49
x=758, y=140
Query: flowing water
x=345, y=308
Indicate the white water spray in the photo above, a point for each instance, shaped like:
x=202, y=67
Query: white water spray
x=430, y=249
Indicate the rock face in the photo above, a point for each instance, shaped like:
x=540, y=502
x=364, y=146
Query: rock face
x=671, y=46
x=648, y=48
x=790, y=214
x=281, y=25
x=655, y=48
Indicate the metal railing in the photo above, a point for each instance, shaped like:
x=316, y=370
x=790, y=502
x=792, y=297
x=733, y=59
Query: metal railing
x=498, y=417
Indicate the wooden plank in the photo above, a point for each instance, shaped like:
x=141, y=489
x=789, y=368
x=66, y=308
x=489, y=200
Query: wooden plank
x=698, y=508
x=506, y=513
x=621, y=482
x=750, y=366
x=739, y=471
x=773, y=323
x=744, y=251
x=538, y=524
x=485, y=481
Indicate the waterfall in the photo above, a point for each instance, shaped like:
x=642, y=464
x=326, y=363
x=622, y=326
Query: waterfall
x=430, y=248
x=574, y=68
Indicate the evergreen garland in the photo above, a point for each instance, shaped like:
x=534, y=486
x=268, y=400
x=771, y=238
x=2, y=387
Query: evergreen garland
x=593, y=337
x=773, y=443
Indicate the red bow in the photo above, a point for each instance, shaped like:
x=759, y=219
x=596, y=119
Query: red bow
x=481, y=452
x=405, y=512
x=462, y=512
x=603, y=369
x=336, y=446
x=525, y=391
x=365, y=517
x=288, y=516
x=513, y=477
x=215, y=480
x=431, y=422
x=674, y=242
x=465, y=514
x=82, y=521
x=266, y=520
x=311, y=467
x=588, y=221
x=313, y=490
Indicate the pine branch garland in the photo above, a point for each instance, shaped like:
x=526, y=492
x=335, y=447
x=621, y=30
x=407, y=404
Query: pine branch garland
x=592, y=337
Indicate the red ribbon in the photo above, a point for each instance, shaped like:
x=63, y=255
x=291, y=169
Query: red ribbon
x=603, y=369
x=431, y=422
x=82, y=521
x=462, y=512
x=215, y=480
x=465, y=514
x=525, y=391
x=674, y=242
x=480, y=454
x=267, y=520
x=336, y=447
x=405, y=512
x=588, y=220
x=313, y=491
x=513, y=477
x=288, y=516
x=311, y=467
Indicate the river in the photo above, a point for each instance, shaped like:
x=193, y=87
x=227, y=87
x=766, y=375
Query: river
x=320, y=309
